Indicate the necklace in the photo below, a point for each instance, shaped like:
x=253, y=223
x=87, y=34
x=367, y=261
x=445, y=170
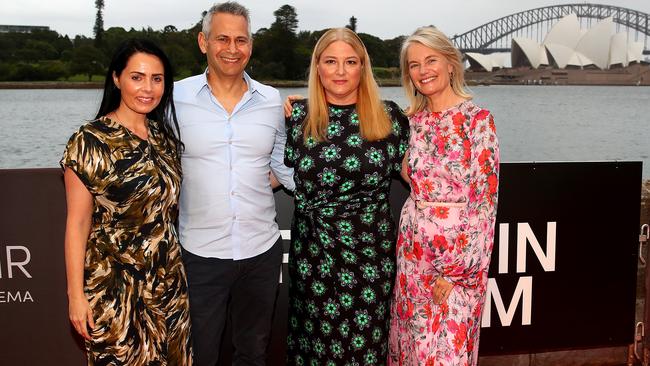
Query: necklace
x=137, y=140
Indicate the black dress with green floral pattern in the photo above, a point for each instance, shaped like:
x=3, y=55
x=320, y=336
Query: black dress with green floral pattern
x=342, y=256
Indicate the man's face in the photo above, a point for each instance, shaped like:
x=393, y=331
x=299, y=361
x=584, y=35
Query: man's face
x=228, y=46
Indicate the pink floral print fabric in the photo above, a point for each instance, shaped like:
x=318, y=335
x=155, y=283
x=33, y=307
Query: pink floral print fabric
x=446, y=229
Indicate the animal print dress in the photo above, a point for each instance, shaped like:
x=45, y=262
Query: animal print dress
x=133, y=278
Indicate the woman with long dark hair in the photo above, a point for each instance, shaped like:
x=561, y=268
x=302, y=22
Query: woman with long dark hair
x=127, y=288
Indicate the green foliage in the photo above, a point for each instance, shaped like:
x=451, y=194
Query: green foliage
x=390, y=73
x=41, y=71
x=275, y=57
x=7, y=71
x=27, y=71
x=112, y=38
x=376, y=49
x=41, y=49
x=352, y=24
x=84, y=78
x=286, y=19
x=98, y=29
x=87, y=60
x=55, y=69
x=32, y=47
x=392, y=49
x=280, y=52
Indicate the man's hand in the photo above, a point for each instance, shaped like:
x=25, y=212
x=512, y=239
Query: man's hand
x=287, y=103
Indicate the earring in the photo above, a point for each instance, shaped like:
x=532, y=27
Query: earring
x=415, y=92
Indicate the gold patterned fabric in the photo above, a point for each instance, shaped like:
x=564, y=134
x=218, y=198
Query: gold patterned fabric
x=134, y=278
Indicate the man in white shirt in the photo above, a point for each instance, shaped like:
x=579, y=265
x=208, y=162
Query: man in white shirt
x=234, y=136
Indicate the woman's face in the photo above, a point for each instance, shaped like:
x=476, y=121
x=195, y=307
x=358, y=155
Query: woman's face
x=339, y=68
x=141, y=83
x=429, y=70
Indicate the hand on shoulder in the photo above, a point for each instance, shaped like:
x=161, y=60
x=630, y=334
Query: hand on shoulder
x=287, y=105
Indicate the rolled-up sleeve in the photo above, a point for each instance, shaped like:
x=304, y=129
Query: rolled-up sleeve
x=283, y=173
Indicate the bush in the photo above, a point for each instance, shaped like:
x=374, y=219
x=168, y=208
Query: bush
x=386, y=72
x=266, y=71
x=55, y=70
x=7, y=71
x=28, y=72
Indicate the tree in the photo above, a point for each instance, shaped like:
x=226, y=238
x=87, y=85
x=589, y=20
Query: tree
x=353, y=24
x=282, y=41
x=87, y=60
x=170, y=29
x=53, y=70
x=7, y=47
x=7, y=71
x=35, y=50
x=376, y=50
x=112, y=37
x=286, y=19
x=393, y=47
x=98, y=29
x=280, y=52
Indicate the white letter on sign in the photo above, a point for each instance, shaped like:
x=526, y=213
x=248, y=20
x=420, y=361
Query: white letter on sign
x=503, y=248
x=20, y=265
x=523, y=292
x=525, y=234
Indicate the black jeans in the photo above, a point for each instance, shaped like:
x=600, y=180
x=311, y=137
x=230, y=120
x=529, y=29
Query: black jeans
x=247, y=290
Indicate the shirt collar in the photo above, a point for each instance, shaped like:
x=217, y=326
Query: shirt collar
x=253, y=86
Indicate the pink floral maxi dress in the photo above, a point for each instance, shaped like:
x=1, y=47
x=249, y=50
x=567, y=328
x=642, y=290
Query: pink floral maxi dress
x=446, y=229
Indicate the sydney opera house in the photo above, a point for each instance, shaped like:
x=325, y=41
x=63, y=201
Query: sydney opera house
x=567, y=46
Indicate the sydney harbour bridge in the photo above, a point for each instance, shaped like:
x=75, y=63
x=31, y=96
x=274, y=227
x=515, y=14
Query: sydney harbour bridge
x=496, y=36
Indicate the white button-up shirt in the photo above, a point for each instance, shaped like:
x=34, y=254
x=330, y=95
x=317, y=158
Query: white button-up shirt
x=226, y=204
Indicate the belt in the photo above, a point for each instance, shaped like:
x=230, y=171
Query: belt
x=424, y=204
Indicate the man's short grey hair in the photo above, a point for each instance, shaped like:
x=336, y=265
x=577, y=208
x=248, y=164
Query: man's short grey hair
x=229, y=7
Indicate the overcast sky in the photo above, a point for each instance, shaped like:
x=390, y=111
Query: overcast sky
x=382, y=18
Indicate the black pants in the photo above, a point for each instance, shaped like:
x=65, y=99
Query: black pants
x=248, y=288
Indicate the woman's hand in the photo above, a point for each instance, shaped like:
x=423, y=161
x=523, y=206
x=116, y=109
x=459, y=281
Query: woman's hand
x=441, y=290
x=275, y=183
x=287, y=103
x=81, y=316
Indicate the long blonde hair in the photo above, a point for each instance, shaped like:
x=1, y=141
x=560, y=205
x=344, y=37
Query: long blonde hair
x=374, y=123
x=437, y=41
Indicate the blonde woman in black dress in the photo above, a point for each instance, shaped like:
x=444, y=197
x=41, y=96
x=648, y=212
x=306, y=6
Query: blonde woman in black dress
x=345, y=145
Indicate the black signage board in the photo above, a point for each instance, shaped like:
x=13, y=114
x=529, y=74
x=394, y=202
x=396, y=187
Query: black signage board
x=565, y=281
x=34, y=325
x=582, y=295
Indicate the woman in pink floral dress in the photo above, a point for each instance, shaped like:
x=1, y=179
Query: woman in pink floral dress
x=447, y=225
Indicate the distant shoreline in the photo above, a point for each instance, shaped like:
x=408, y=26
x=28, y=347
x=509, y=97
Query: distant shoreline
x=638, y=74
x=99, y=85
x=50, y=85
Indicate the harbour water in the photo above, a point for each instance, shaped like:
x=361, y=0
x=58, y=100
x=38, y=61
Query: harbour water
x=549, y=123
